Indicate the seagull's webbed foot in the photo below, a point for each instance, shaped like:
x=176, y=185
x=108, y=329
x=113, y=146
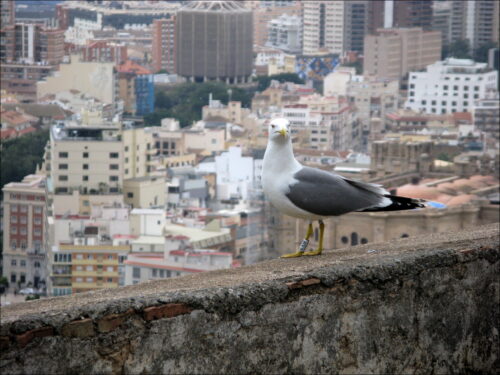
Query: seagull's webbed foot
x=319, y=250
x=303, y=245
x=293, y=255
x=314, y=252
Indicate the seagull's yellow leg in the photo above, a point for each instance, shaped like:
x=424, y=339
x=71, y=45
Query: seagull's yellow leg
x=320, y=245
x=303, y=245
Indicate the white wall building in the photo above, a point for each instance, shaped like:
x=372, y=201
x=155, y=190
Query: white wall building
x=285, y=33
x=234, y=174
x=450, y=86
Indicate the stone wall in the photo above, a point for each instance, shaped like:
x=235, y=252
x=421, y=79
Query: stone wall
x=420, y=305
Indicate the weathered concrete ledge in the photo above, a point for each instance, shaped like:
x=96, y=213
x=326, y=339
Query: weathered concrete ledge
x=419, y=305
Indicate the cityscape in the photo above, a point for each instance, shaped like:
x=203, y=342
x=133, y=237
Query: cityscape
x=133, y=132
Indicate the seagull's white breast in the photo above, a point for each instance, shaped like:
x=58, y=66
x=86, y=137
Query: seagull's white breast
x=277, y=177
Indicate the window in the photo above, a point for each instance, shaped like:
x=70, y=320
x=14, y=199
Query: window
x=37, y=264
x=130, y=195
x=113, y=178
x=466, y=104
x=38, y=210
x=79, y=256
x=13, y=262
x=22, y=263
x=113, y=155
x=13, y=230
x=424, y=102
x=13, y=244
x=13, y=219
x=85, y=155
x=63, y=154
x=89, y=256
x=13, y=207
x=89, y=279
x=63, y=166
x=89, y=268
x=12, y=277
x=476, y=88
x=136, y=272
x=63, y=178
x=109, y=269
x=85, y=178
x=113, y=166
x=79, y=279
x=85, y=166
x=155, y=272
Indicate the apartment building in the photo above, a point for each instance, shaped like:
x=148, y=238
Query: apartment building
x=102, y=50
x=475, y=21
x=164, y=50
x=136, y=88
x=31, y=43
x=96, y=157
x=487, y=115
x=392, y=53
x=88, y=251
x=24, y=232
x=450, y=86
x=323, y=123
x=323, y=27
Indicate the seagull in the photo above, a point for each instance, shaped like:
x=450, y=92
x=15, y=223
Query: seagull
x=313, y=194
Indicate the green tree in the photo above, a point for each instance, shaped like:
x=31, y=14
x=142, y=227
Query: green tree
x=185, y=101
x=20, y=156
x=357, y=64
x=481, y=52
x=459, y=49
x=265, y=81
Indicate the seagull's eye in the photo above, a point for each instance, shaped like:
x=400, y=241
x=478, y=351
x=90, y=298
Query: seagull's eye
x=273, y=126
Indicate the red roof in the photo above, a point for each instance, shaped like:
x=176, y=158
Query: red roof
x=8, y=133
x=130, y=66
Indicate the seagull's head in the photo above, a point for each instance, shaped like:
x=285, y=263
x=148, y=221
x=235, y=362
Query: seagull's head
x=279, y=130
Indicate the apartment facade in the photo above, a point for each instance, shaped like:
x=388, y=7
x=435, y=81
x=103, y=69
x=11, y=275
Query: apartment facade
x=476, y=21
x=487, y=115
x=164, y=50
x=450, y=86
x=101, y=50
x=392, y=53
x=24, y=261
x=323, y=27
x=31, y=43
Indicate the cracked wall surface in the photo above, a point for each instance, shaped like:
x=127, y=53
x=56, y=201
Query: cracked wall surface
x=419, y=305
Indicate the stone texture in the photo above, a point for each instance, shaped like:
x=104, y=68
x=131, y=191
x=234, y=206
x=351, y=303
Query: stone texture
x=166, y=311
x=112, y=321
x=25, y=338
x=416, y=306
x=79, y=328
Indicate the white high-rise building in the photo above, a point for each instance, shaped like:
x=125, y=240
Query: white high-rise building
x=284, y=33
x=323, y=27
x=448, y=86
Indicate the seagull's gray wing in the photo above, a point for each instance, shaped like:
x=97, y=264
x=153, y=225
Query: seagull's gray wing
x=327, y=194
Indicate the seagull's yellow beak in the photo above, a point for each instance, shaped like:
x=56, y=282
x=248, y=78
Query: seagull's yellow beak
x=282, y=131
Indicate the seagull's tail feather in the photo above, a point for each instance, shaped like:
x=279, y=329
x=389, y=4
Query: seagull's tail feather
x=397, y=203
